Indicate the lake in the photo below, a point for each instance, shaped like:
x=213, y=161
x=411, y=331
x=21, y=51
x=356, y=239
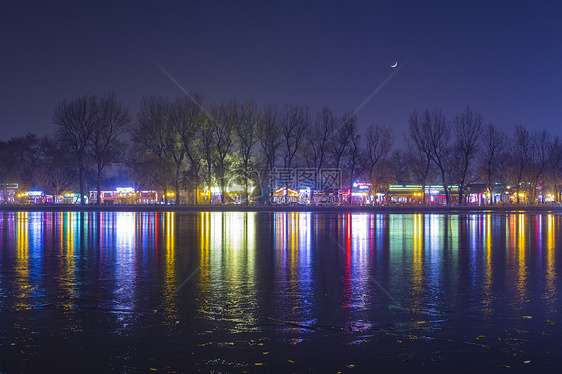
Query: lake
x=267, y=292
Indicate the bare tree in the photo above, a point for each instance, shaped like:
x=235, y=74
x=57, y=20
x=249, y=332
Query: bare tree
x=540, y=145
x=206, y=139
x=155, y=143
x=400, y=162
x=246, y=134
x=147, y=169
x=269, y=135
x=438, y=132
x=106, y=146
x=520, y=150
x=419, y=150
x=175, y=151
x=295, y=122
x=319, y=139
x=467, y=128
x=356, y=158
x=341, y=137
x=76, y=120
x=492, y=155
x=19, y=157
x=227, y=118
x=379, y=142
x=53, y=174
x=554, y=168
x=186, y=119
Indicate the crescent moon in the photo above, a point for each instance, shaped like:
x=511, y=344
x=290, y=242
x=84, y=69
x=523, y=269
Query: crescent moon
x=395, y=65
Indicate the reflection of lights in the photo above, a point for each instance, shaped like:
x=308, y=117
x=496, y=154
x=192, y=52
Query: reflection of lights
x=305, y=239
x=22, y=260
x=121, y=240
x=435, y=227
x=488, y=294
x=520, y=248
x=70, y=232
x=429, y=262
x=227, y=278
x=235, y=222
x=205, y=233
x=126, y=228
x=550, y=274
x=358, y=279
x=417, y=261
x=170, y=261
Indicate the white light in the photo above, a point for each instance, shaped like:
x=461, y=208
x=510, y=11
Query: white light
x=125, y=189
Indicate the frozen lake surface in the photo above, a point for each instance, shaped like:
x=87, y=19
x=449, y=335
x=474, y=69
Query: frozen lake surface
x=279, y=292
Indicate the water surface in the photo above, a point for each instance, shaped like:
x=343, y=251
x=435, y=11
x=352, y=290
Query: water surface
x=279, y=292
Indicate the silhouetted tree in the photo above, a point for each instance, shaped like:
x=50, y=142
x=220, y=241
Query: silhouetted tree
x=438, y=132
x=227, y=118
x=146, y=169
x=492, y=156
x=356, y=158
x=295, y=122
x=247, y=137
x=155, y=144
x=341, y=137
x=419, y=150
x=540, y=146
x=270, y=140
x=186, y=117
x=400, y=161
x=379, y=141
x=19, y=157
x=467, y=129
x=321, y=137
x=554, y=168
x=54, y=176
x=106, y=145
x=205, y=134
x=76, y=120
x=520, y=152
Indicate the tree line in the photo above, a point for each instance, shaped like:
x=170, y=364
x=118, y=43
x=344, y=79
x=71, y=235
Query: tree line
x=187, y=145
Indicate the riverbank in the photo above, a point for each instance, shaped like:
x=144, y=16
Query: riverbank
x=550, y=208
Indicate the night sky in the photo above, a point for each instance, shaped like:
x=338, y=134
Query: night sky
x=502, y=58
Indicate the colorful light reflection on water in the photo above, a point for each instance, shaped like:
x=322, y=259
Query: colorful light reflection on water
x=290, y=291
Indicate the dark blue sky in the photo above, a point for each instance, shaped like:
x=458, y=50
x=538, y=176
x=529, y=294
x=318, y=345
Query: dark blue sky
x=503, y=58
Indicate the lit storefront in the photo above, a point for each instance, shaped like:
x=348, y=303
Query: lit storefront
x=125, y=195
x=414, y=194
x=8, y=192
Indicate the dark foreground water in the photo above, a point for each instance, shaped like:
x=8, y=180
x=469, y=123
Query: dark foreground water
x=280, y=292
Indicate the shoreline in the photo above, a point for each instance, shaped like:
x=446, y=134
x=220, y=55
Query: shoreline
x=408, y=209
